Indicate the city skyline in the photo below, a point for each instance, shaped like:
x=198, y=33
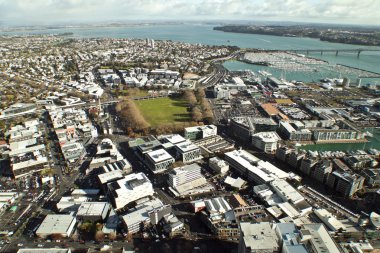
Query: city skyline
x=50, y=12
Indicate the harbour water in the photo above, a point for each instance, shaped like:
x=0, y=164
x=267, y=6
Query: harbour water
x=374, y=142
x=204, y=34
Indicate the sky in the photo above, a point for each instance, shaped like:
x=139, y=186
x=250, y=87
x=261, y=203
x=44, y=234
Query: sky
x=47, y=12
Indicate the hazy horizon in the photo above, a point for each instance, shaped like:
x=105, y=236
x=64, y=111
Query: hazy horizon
x=74, y=12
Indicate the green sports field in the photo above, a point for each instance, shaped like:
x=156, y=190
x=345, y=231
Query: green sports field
x=162, y=111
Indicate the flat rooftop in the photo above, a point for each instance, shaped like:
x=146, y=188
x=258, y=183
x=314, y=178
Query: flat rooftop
x=56, y=224
x=92, y=208
x=159, y=155
x=47, y=250
x=186, y=146
x=110, y=176
x=175, y=138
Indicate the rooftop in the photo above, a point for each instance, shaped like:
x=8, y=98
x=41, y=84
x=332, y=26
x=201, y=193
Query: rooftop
x=159, y=155
x=319, y=238
x=259, y=236
x=56, y=224
x=92, y=208
x=267, y=136
x=186, y=146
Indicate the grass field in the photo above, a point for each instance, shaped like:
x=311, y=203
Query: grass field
x=162, y=111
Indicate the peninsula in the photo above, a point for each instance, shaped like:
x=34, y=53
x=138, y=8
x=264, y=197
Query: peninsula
x=347, y=35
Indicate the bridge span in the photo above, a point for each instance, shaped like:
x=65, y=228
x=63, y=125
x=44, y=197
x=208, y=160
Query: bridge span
x=336, y=51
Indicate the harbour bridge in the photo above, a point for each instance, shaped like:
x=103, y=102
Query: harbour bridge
x=336, y=51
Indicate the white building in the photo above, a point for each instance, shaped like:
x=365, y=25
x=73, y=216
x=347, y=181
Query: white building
x=129, y=189
x=93, y=211
x=317, y=239
x=46, y=250
x=62, y=224
x=140, y=214
x=329, y=220
x=200, y=132
x=71, y=203
x=257, y=238
x=286, y=191
x=27, y=151
x=185, y=179
x=254, y=169
x=159, y=160
x=188, y=151
x=266, y=141
x=110, y=176
x=106, y=152
x=218, y=165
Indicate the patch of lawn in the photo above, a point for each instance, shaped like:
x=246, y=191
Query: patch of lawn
x=164, y=110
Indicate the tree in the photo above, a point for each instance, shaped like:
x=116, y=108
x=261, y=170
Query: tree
x=205, y=104
x=99, y=236
x=196, y=114
x=208, y=116
x=131, y=116
x=85, y=227
x=201, y=93
x=112, y=236
x=55, y=237
x=189, y=96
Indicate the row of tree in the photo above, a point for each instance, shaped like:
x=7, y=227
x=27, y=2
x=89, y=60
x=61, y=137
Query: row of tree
x=131, y=118
x=200, y=107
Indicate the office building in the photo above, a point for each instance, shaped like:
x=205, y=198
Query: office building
x=329, y=220
x=93, y=211
x=123, y=165
x=186, y=179
x=334, y=134
x=252, y=168
x=307, y=165
x=288, y=236
x=159, y=160
x=266, y=141
x=46, y=250
x=295, y=159
x=61, y=224
x=317, y=239
x=129, y=189
x=257, y=238
x=322, y=170
x=345, y=183
x=138, y=216
x=283, y=153
x=290, y=133
x=244, y=127
x=286, y=192
x=188, y=152
x=200, y=132
x=218, y=165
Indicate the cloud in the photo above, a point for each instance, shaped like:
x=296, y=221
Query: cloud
x=70, y=11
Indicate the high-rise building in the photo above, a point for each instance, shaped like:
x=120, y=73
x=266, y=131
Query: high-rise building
x=185, y=178
x=322, y=170
x=129, y=189
x=345, y=183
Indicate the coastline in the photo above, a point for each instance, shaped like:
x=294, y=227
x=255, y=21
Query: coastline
x=221, y=29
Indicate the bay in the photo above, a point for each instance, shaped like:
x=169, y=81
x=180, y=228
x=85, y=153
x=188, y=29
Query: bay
x=204, y=34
